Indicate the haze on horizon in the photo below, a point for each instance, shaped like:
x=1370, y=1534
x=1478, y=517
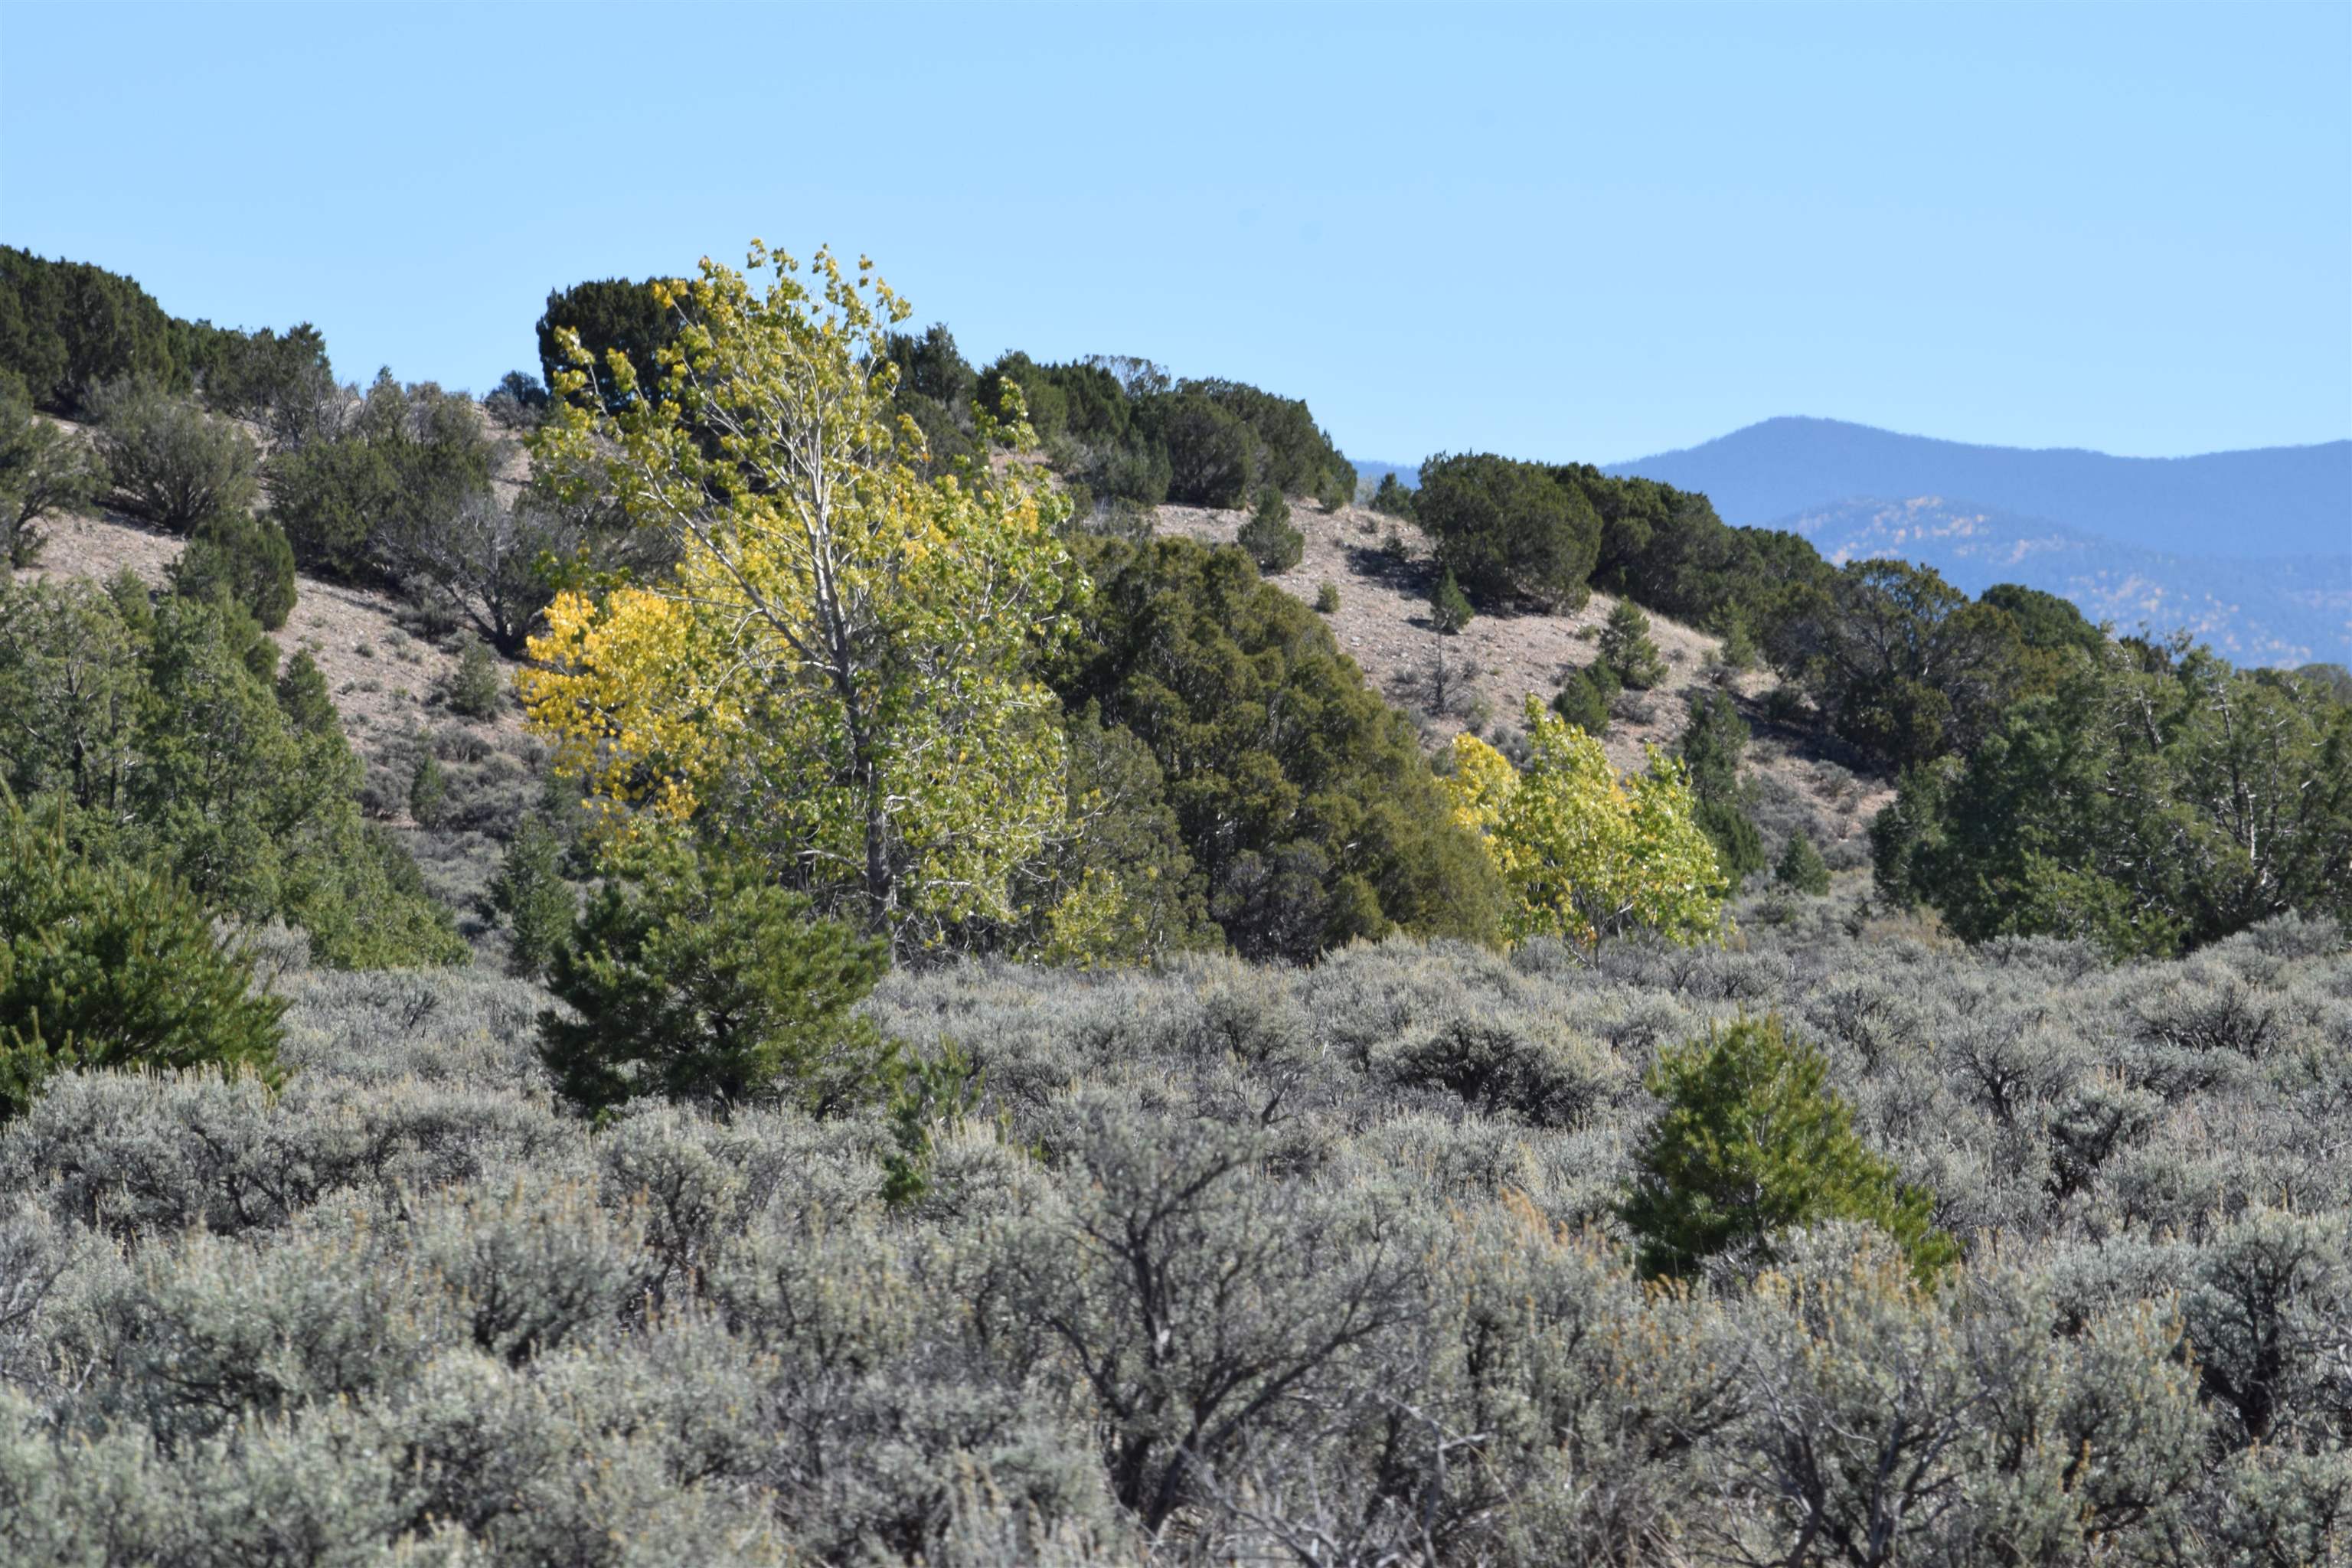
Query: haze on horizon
x=1595, y=232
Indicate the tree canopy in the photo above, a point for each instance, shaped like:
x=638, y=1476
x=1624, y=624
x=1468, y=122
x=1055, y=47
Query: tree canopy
x=836, y=672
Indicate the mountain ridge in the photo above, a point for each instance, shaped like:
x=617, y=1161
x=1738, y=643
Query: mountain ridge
x=2254, y=502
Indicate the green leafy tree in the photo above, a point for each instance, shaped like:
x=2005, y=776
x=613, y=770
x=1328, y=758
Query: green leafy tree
x=158, y=727
x=68, y=328
x=1626, y=648
x=303, y=698
x=283, y=383
x=1751, y=1142
x=1803, y=867
x=44, y=471
x=1269, y=535
x=169, y=461
x=379, y=494
x=1212, y=458
x=608, y=316
x=1508, y=530
x=702, y=979
x=531, y=894
x=243, y=559
x=1901, y=664
x=112, y=966
x=2144, y=809
x=1449, y=607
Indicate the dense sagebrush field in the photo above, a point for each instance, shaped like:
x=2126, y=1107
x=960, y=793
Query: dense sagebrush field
x=1228, y=1264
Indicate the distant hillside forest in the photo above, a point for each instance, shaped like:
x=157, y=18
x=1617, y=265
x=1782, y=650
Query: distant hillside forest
x=1013, y=1049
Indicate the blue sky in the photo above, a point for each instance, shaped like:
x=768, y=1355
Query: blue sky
x=1568, y=233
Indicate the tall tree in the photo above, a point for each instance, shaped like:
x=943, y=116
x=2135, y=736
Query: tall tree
x=838, y=670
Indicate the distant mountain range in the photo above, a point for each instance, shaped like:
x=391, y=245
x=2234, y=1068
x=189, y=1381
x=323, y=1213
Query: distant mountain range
x=2274, y=501
x=2250, y=551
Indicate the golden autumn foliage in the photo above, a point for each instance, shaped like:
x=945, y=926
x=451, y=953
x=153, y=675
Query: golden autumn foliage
x=837, y=672
x=1585, y=853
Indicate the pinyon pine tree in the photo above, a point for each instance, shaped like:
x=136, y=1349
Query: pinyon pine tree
x=1751, y=1142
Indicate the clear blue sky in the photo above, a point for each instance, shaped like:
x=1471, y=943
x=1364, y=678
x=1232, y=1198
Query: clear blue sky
x=1587, y=233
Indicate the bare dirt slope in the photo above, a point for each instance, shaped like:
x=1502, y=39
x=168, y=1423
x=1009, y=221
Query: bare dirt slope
x=1479, y=677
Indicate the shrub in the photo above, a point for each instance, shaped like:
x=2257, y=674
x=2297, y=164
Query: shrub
x=1710, y=747
x=2111, y=809
x=284, y=384
x=169, y=461
x=303, y=698
x=1583, y=700
x=1326, y=598
x=1508, y=530
x=519, y=402
x=110, y=966
x=1212, y=459
x=1802, y=867
x=1751, y=1142
x=700, y=979
x=240, y=559
x=1269, y=535
x=478, y=683
x=428, y=787
x=530, y=892
x=1392, y=498
x=1626, y=648
x=1449, y=606
x=42, y=470
x=181, y=754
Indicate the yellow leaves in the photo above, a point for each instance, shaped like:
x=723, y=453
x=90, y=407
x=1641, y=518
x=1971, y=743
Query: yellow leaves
x=613, y=690
x=1584, y=853
x=839, y=661
x=1482, y=784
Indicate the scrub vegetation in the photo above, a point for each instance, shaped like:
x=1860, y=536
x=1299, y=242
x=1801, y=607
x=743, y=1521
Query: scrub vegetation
x=847, y=973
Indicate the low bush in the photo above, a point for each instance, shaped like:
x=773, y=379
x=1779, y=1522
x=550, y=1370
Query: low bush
x=1269, y=535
